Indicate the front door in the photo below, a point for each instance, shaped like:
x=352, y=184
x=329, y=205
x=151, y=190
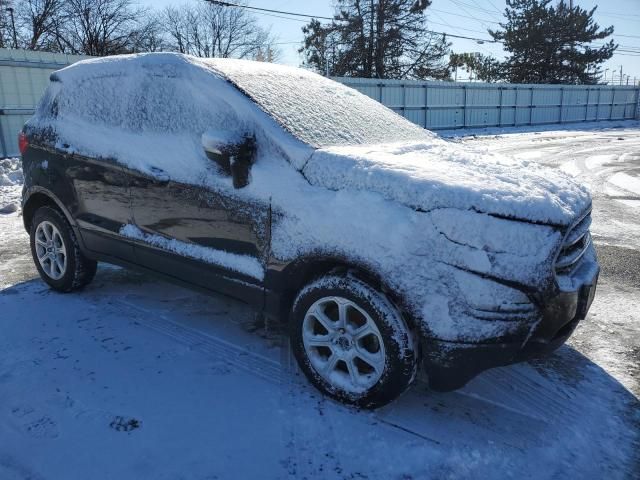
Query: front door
x=206, y=236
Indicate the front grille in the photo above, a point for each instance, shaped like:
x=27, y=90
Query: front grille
x=576, y=242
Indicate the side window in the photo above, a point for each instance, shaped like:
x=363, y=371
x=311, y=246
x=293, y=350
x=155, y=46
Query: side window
x=152, y=121
x=148, y=102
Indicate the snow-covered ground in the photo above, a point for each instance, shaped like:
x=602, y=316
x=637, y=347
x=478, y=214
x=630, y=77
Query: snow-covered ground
x=134, y=378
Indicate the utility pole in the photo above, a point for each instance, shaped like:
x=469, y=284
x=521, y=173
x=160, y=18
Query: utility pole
x=620, y=74
x=13, y=26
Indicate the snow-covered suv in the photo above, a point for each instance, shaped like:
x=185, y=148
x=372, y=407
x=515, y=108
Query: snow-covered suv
x=384, y=246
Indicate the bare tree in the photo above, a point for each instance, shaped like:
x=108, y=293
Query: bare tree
x=100, y=27
x=149, y=36
x=5, y=24
x=210, y=30
x=108, y=27
x=37, y=21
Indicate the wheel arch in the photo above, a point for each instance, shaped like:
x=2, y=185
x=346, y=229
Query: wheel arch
x=38, y=197
x=299, y=273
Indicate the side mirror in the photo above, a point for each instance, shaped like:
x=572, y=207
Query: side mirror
x=234, y=153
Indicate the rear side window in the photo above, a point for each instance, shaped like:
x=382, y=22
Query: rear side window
x=142, y=103
x=148, y=117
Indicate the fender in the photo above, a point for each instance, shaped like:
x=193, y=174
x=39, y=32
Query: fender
x=285, y=279
x=36, y=196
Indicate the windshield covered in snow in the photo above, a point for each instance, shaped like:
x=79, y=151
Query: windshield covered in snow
x=316, y=110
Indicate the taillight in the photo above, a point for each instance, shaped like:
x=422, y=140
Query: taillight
x=23, y=142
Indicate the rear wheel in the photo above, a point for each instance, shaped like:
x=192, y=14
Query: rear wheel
x=56, y=252
x=351, y=341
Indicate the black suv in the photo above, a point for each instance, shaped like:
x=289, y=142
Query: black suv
x=383, y=246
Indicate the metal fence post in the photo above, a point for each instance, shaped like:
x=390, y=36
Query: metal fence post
x=3, y=144
x=515, y=108
x=531, y=106
x=586, y=107
x=426, y=104
x=613, y=96
x=500, y=90
x=464, y=106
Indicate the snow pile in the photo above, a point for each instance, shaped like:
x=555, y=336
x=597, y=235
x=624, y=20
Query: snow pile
x=239, y=263
x=11, y=180
x=11, y=172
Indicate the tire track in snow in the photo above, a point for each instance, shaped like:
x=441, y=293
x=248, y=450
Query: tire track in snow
x=515, y=389
x=305, y=461
x=313, y=447
x=239, y=357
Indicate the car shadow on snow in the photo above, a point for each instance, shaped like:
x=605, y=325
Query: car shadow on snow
x=564, y=410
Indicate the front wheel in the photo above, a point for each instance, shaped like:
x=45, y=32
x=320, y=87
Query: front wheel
x=351, y=342
x=56, y=252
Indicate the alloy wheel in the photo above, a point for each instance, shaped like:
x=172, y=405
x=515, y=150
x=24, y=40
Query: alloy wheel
x=343, y=344
x=51, y=250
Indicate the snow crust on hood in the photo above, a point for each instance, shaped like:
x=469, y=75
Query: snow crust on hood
x=441, y=174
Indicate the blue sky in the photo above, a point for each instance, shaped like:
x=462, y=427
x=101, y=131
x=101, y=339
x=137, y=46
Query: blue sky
x=462, y=17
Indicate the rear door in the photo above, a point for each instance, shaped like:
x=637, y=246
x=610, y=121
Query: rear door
x=102, y=203
x=94, y=189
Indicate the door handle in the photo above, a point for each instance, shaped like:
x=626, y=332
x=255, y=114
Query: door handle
x=159, y=176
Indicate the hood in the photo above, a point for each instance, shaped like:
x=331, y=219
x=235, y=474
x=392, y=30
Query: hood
x=442, y=174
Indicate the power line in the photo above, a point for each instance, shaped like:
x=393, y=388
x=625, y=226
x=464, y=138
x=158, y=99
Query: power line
x=458, y=28
x=227, y=4
x=451, y=26
x=273, y=13
x=482, y=21
x=493, y=6
x=463, y=16
x=478, y=7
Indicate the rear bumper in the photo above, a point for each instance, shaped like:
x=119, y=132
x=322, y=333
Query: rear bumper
x=450, y=365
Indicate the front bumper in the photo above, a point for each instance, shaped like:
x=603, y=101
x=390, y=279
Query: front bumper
x=450, y=365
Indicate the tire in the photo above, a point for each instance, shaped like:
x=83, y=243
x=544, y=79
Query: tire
x=56, y=252
x=369, y=358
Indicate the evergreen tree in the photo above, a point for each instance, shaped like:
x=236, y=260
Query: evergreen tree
x=376, y=39
x=551, y=44
x=484, y=67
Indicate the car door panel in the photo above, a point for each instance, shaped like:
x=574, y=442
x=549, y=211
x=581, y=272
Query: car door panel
x=96, y=194
x=196, y=215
